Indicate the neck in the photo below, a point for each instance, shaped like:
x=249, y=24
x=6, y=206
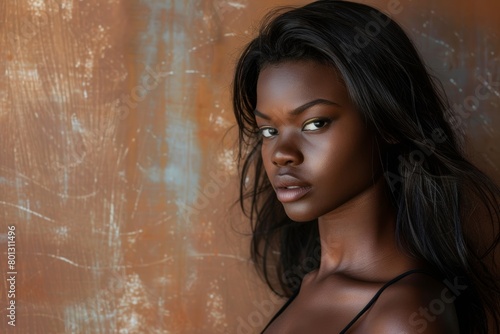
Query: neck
x=358, y=238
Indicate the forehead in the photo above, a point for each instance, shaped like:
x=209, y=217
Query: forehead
x=297, y=81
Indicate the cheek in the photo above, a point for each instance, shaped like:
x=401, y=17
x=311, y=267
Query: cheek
x=344, y=165
x=266, y=158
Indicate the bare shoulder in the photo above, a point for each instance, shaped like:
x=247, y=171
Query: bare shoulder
x=417, y=304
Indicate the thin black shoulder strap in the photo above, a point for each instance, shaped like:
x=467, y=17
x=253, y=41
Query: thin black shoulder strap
x=370, y=303
x=292, y=297
x=379, y=292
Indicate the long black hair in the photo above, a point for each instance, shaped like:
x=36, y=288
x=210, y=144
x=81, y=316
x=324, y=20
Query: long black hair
x=447, y=209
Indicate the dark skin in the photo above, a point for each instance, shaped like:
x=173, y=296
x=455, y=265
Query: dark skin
x=323, y=161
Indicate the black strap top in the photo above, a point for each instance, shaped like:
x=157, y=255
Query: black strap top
x=370, y=303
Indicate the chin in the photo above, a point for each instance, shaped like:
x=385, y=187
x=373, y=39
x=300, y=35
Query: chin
x=299, y=213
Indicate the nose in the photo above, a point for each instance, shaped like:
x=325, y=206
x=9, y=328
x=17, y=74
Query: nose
x=287, y=153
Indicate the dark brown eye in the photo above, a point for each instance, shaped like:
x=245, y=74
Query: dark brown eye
x=315, y=125
x=268, y=132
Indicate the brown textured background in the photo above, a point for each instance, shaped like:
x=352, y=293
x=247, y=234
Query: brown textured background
x=116, y=171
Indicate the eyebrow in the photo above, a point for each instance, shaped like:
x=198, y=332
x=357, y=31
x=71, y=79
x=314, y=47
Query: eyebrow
x=300, y=109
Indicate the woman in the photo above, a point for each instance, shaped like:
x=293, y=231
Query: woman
x=364, y=210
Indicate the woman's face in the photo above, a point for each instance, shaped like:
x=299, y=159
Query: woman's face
x=317, y=151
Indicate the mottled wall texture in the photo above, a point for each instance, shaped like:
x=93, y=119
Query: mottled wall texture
x=117, y=170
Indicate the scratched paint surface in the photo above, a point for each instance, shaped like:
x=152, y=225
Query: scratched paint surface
x=115, y=166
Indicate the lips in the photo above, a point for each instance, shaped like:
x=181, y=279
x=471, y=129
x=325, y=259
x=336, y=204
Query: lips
x=290, y=188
